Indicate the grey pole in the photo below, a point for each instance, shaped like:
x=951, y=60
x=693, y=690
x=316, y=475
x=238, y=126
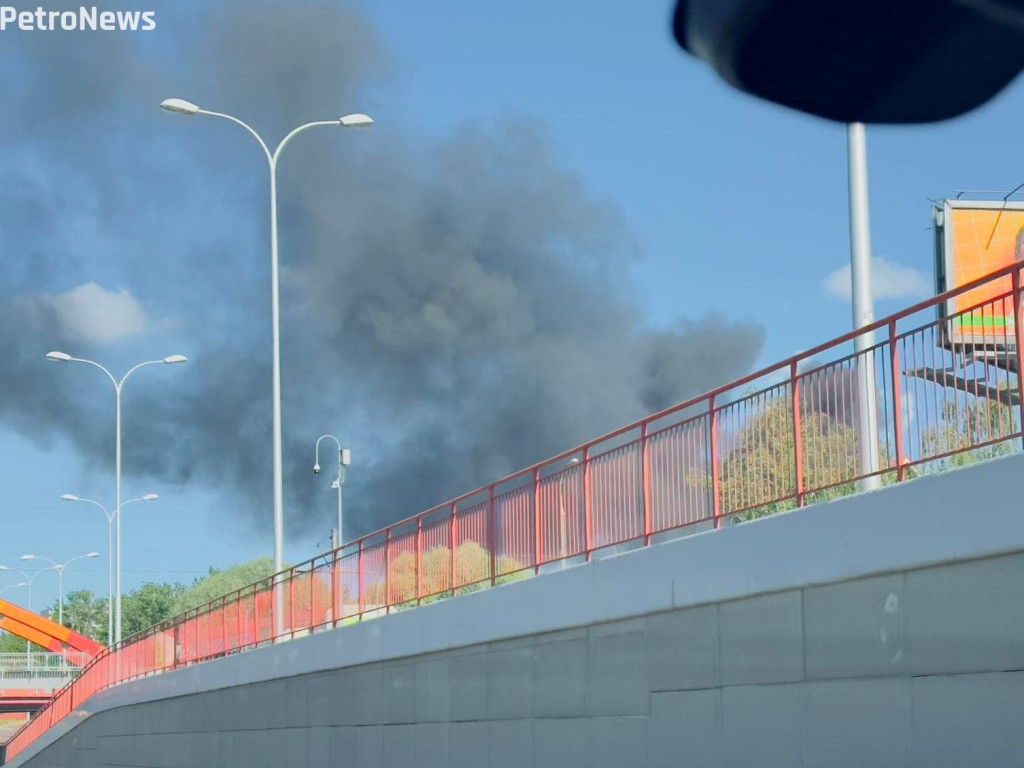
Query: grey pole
x=863, y=305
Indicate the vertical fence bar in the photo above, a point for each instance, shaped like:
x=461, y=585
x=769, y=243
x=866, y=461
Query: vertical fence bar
x=419, y=559
x=798, y=437
x=336, y=596
x=1018, y=335
x=537, y=522
x=645, y=454
x=291, y=602
x=455, y=546
x=359, y=580
x=492, y=537
x=897, y=401
x=716, y=496
x=387, y=570
x=588, y=505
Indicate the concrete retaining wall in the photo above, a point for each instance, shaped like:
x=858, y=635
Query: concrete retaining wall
x=884, y=629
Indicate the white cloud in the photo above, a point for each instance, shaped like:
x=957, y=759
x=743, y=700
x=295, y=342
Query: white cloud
x=93, y=314
x=889, y=280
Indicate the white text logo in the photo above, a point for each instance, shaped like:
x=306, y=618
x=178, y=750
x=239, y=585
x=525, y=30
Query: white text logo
x=83, y=19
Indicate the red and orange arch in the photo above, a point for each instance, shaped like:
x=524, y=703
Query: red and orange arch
x=43, y=632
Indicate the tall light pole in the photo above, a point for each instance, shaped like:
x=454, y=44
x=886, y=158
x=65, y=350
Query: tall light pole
x=344, y=460
x=182, y=107
x=110, y=552
x=59, y=568
x=61, y=357
x=863, y=305
x=28, y=580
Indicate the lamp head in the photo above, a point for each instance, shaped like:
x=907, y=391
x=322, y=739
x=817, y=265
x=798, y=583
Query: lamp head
x=70, y=497
x=93, y=554
x=316, y=469
x=175, y=359
x=58, y=357
x=150, y=497
x=356, y=120
x=21, y=584
x=28, y=557
x=179, y=106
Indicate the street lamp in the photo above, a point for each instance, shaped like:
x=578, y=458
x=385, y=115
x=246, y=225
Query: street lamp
x=59, y=568
x=110, y=551
x=344, y=460
x=28, y=580
x=61, y=357
x=358, y=120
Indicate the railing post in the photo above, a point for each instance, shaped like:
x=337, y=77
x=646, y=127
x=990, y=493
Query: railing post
x=588, y=505
x=419, y=560
x=291, y=602
x=361, y=602
x=336, y=596
x=716, y=481
x=492, y=534
x=455, y=546
x=798, y=436
x=646, y=463
x=538, y=523
x=1018, y=334
x=387, y=570
x=897, y=402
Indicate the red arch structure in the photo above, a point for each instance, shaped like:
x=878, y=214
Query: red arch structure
x=43, y=632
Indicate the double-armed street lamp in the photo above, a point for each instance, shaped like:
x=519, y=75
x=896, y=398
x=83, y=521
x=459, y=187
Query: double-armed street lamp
x=357, y=120
x=59, y=568
x=110, y=552
x=344, y=459
x=62, y=357
x=29, y=578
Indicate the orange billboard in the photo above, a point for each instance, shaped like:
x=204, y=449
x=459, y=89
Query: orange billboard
x=974, y=239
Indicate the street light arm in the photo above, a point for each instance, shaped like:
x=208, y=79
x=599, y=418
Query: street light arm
x=110, y=515
x=296, y=132
x=48, y=560
x=95, y=365
x=322, y=437
x=133, y=370
x=249, y=128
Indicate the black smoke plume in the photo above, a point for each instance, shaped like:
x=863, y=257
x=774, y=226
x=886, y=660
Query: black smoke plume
x=455, y=306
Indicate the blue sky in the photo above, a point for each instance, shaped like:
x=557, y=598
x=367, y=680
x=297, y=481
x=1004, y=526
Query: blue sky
x=729, y=205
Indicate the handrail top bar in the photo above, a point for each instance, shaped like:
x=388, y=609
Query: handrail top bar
x=928, y=303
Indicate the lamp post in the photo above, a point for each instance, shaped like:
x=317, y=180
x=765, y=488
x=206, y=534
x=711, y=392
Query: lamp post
x=344, y=460
x=61, y=357
x=28, y=581
x=863, y=305
x=110, y=551
x=182, y=107
x=59, y=568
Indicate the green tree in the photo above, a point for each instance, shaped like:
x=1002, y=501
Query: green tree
x=148, y=605
x=222, y=582
x=964, y=425
x=83, y=613
x=13, y=644
x=759, y=473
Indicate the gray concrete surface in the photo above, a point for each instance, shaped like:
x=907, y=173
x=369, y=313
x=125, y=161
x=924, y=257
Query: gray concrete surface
x=882, y=630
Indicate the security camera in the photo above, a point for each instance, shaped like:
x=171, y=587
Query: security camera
x=316, y=469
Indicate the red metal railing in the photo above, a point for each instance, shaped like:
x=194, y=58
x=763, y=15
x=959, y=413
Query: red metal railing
x=782, y=437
